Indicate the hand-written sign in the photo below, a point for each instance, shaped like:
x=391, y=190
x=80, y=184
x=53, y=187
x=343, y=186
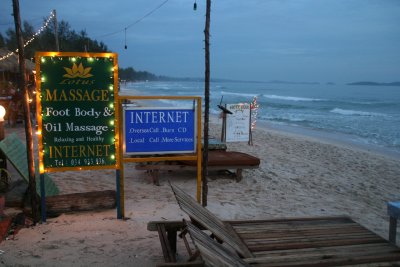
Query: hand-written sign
x=159, y=131
x=238, y=123
x=76, y=110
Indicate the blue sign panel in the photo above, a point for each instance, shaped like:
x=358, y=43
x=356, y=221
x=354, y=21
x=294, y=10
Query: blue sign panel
x=159, y=131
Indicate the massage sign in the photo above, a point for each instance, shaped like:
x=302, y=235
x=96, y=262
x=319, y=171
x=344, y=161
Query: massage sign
x=76, y=110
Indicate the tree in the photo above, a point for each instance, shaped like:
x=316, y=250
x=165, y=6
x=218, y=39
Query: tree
x=69, y=40
x=2, y=42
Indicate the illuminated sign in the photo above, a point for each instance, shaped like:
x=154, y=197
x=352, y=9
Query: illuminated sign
x=238, y=123
x=159, y=131
x=77, y=110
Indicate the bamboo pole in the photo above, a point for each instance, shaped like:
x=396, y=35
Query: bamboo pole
x=206, y=103
x=56, y=30
x=28, y=126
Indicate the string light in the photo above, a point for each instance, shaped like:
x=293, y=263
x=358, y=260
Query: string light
x=33, y=36
x=254, y=112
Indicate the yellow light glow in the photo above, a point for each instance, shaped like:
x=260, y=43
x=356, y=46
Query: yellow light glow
x=90, y=59
x=73, y=59
x=41, y=168
x=39, y=132
x=2, y=113
x=112, y=156
x=111, y=87
x=111, y=122
x=111, y=105
x=43, y=79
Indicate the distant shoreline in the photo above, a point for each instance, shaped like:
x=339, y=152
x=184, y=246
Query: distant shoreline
x=217, y=80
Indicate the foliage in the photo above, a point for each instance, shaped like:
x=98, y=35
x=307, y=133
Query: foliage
x=129, y=74
x=69, y=40
x=5, y=180
x=2, y=43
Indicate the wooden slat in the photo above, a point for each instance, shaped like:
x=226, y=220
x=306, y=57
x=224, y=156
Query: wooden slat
x=181, y=264
x=326, y=251
x=255, y=233
x=213, y=253
x=316, y=244
x=208, y=220
x=310, y=223
x=328, y=256
x=285, y=220
x=169, y=225
x=282, y=234
x=328, y=260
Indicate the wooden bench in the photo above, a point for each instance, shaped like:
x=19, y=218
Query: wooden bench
x=314, y=241
x=217, y=160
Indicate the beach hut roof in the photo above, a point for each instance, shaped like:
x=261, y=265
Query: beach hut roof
x=11, y=63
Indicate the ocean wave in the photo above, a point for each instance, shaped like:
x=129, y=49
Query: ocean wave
x=292, y=98
x=238, y=94
x=289, y=118
x=350, y=112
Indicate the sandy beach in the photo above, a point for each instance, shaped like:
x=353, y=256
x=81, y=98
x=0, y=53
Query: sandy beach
x=298, y=176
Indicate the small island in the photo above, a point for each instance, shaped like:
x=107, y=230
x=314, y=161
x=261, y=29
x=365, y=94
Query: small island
x=375, y=83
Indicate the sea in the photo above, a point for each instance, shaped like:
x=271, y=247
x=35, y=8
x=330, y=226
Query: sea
x=368, y=116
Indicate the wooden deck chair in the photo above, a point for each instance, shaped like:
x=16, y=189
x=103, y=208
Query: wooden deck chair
x=209, y=221
x=314, y=241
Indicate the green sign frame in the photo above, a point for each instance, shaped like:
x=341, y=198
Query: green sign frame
x=77, y=108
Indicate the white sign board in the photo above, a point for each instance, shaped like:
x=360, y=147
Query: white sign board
x=238, y=123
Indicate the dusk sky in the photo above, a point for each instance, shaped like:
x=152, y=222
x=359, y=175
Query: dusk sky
x=293, y=40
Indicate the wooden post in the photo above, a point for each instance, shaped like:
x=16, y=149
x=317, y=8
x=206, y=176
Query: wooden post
x=28, y=125
x=223, y=131
x=56, y=30
x=206, y=103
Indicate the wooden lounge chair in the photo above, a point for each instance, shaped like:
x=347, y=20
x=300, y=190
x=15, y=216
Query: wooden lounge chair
x=15, y=151
x=315, y=241
x=217, y=160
